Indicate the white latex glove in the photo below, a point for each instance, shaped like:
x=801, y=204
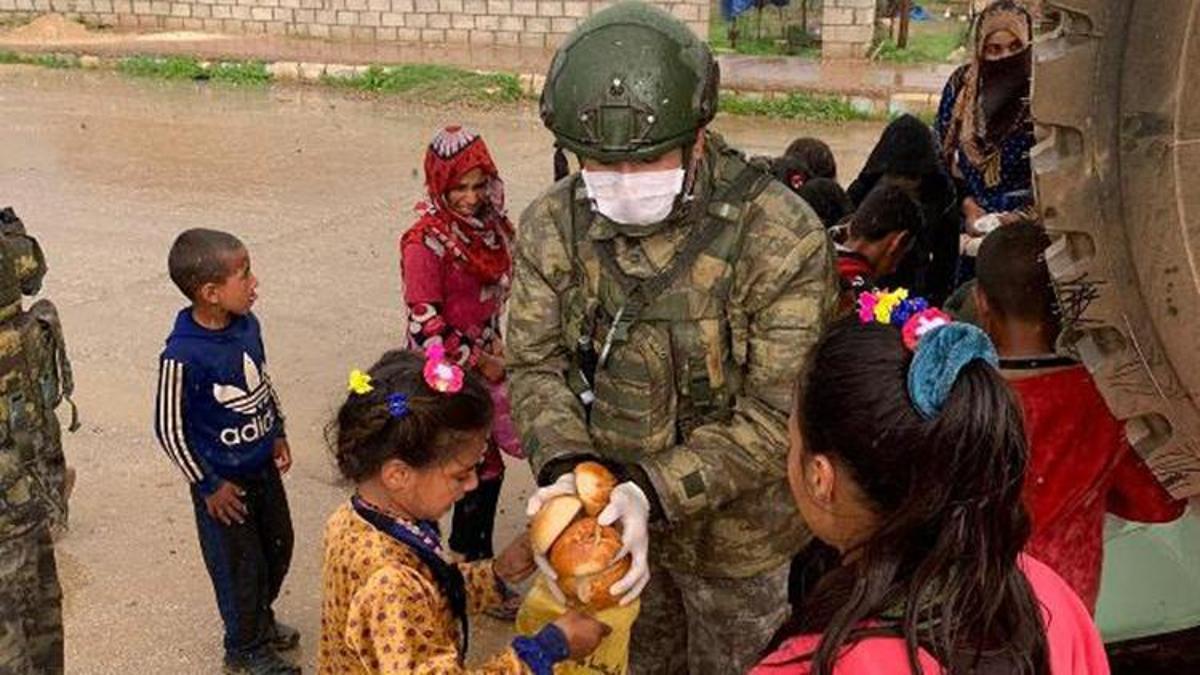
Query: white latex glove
x=629, y=505
x=968, y=245
x=985, y=224
x=565, y=485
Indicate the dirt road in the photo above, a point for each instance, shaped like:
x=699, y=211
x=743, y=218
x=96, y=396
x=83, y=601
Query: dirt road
x=106, y=171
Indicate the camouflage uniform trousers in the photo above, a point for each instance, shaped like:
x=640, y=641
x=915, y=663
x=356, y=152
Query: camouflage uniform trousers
x=31, y=632
x=706, y=625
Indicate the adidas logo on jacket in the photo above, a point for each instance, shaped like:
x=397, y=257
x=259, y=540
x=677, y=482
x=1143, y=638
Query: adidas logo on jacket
x=217, y=415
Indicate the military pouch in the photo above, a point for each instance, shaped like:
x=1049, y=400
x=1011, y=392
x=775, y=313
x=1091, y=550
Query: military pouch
x=37, y=379
x=24, y=490
x=636, y=402
x=51, y=366
x=576, y=319
x=702, y=359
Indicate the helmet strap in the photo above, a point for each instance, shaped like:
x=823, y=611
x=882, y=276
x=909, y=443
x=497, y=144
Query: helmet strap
x=561, y=166
x=693, y=154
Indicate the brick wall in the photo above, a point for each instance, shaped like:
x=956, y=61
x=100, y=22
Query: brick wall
x=847, y=28
x=530, y=23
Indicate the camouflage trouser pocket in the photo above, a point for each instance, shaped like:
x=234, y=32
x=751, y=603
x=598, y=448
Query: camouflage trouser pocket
x=636, y=401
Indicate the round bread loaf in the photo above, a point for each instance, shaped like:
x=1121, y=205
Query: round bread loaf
x=583, y=558
x=551, y=520
x=595, y=484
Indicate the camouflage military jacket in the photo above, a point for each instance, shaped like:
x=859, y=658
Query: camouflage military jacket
x=699, y=394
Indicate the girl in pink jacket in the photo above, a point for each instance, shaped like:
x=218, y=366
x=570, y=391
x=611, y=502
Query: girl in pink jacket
x=907, y=458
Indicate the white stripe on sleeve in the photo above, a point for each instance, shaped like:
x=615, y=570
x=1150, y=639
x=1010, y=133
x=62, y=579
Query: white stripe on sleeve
x=170, y=420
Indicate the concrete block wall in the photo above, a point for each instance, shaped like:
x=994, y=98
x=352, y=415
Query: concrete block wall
x=529, y=23
x=847, y=28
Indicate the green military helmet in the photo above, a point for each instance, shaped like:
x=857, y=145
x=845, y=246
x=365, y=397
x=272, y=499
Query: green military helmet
x=631, y=83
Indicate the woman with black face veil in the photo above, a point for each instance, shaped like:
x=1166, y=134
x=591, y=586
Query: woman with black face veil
x=907, y=155
x=985, y=127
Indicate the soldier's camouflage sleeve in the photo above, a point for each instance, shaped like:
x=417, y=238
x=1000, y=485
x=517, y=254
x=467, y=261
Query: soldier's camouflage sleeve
x=783, y=293
x=548, y=414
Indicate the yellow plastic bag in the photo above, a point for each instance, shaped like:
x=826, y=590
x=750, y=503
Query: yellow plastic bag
x=611, y=656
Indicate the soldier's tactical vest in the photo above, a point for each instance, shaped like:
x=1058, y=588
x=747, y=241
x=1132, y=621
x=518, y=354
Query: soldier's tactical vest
x=669, y=353
x=35, y=377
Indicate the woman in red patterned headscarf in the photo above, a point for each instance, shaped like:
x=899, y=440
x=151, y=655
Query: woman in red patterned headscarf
x=456, y=265
x=455, y=259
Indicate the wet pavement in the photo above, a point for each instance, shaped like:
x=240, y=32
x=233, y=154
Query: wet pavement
x=106, y=171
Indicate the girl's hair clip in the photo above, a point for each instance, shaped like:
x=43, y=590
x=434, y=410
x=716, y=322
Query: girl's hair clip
x=441, y=374
x=941, y=346
x=397, y=405
x=921, y=324
x=360, y=382
x=943, y=350
x=890, y=308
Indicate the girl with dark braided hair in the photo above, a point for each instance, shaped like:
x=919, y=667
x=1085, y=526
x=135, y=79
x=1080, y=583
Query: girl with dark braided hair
x=907, y=458
x=409, y=436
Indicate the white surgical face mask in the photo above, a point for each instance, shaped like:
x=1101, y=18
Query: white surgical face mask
x=634, y=198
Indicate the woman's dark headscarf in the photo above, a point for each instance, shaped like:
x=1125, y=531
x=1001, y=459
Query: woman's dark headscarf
x=994, y=100
x=908, y=150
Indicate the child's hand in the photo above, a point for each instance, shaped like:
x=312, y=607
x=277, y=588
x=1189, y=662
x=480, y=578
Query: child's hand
x=498, y=348
x=515, y=562
x=583, y=632
x=283, y=455
x=491, y=367
x=491, y=361
x=226, y=504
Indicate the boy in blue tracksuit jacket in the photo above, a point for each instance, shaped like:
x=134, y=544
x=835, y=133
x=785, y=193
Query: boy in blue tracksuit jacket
x=219, y=421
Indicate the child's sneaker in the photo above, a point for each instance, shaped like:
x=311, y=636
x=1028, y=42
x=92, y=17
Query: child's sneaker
x=262, y=662
x=284, y=637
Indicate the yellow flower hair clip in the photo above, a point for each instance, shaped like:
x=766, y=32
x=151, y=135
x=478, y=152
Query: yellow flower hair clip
x=360, y=382
x=889, y=301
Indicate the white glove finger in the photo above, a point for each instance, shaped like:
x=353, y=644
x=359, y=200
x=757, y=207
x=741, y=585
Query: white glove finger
x=565, y=485
x=544, y=566
x=621, y=553
x=611, y=513
x=533, y=505
x=635, y=574
x=633, y=538
x=557, y=593
x=635, y=591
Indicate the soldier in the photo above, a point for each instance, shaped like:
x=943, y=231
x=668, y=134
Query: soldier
x=35, y=377
x=664, y=299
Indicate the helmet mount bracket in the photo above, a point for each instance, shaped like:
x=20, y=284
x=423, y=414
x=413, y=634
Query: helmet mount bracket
x=619, y=121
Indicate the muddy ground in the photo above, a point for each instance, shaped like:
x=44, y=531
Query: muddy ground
x=106, y=171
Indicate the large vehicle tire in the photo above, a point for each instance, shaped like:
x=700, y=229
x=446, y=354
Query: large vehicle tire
x=1116, y=96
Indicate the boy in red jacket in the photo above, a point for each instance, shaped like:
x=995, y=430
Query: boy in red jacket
x=1081, y=463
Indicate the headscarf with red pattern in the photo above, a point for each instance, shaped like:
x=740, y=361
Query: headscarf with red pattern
x=480, y=241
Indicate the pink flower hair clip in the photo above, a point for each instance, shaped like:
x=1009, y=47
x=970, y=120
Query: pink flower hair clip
x=442, y=375
x=920, y=324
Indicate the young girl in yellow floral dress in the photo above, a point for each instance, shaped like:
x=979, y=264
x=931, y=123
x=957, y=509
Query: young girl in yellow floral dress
x=409, y=436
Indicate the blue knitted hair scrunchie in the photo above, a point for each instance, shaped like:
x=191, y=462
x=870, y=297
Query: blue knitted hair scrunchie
x=940, y=355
